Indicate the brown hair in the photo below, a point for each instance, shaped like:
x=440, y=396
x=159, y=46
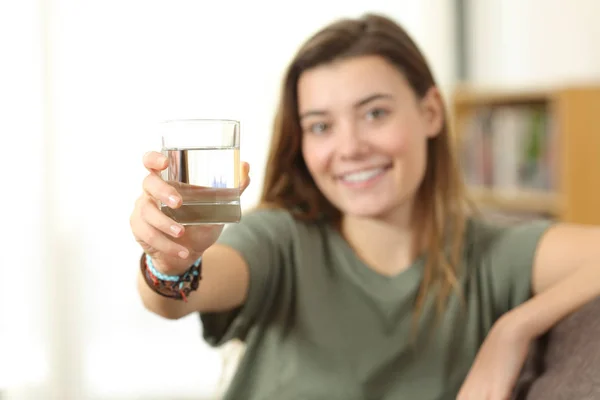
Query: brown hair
x=440, y=214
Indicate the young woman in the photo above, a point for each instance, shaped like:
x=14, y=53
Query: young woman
x=364, y=274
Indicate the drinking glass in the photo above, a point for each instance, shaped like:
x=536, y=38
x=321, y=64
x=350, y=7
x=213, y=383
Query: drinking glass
x=204, y=166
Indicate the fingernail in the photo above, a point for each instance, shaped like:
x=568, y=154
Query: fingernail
x=173, y=200
x=176, y=229
x=184, y=254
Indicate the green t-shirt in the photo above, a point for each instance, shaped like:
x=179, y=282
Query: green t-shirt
x=320, y=324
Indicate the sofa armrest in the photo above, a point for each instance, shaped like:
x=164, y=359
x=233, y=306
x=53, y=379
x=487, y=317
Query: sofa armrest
x=569, y=359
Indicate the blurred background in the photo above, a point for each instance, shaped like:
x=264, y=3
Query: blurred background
x=83, y=84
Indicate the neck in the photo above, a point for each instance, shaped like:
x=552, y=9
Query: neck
x=384, y=244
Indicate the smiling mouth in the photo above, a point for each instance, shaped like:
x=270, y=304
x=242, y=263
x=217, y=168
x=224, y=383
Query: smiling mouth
x=365, y=175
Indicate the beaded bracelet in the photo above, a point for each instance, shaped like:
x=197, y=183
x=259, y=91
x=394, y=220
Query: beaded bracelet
x=176, y=287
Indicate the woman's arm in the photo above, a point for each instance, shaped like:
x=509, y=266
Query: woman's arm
x=566, y=276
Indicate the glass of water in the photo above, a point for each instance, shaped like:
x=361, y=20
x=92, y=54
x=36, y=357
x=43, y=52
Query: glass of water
x=204, y=167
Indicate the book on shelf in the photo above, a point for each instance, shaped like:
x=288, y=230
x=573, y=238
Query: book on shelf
x=510, y=148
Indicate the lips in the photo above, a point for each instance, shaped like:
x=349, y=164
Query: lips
x=363, y=175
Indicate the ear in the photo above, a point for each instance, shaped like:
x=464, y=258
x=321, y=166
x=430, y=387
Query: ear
x=432, y=110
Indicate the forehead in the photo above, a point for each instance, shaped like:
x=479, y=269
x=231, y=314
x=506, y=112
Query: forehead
x=343, y=82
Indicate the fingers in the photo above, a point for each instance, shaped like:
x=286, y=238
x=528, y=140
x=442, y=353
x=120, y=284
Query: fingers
x=151, y=227
x=158, y=189
x=157, y=219
x=159, y=242
x=154, y=162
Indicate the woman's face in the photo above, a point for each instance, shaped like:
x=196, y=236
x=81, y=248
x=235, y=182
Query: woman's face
x=365, y=134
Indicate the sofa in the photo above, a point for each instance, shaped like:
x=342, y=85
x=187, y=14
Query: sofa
x=564, y=364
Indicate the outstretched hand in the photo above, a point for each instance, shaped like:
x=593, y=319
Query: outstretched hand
x=172, y=246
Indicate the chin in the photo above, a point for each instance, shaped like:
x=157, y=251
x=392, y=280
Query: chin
x=369, y=210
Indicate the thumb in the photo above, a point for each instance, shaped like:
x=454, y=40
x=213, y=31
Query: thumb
x=245, y=177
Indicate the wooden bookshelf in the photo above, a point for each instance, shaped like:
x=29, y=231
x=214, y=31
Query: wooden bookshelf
x=521, y=201
x=531, y=152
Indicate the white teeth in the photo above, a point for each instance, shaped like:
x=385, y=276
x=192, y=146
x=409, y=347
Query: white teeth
x=362, y=175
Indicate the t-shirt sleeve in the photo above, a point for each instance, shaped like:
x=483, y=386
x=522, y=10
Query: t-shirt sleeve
x=263, y=238
x=507, y=262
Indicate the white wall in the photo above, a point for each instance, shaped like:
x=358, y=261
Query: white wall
x=22, y=337
x=535, y=42
x=114, y=69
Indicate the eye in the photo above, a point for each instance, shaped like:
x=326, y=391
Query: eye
x=376, y=113
x=318, y=128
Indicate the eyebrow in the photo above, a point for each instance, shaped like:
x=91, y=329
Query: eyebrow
x=360, y=103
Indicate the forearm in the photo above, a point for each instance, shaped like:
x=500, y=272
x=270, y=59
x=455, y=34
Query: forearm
x=163, y=306
x=543, y=311
x=224, y=285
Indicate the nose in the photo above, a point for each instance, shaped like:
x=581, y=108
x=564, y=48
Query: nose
x=350, y=143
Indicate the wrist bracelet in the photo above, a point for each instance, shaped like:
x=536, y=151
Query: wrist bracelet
x=176, y=287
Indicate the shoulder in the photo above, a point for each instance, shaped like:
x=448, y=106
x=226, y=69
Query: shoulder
x=494, y=238
x=500, y=258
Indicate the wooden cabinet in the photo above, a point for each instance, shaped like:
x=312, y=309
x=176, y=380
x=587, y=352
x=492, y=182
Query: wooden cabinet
x=531, y=153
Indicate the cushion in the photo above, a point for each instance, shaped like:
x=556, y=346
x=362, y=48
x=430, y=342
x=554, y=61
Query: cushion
x=567, y=359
